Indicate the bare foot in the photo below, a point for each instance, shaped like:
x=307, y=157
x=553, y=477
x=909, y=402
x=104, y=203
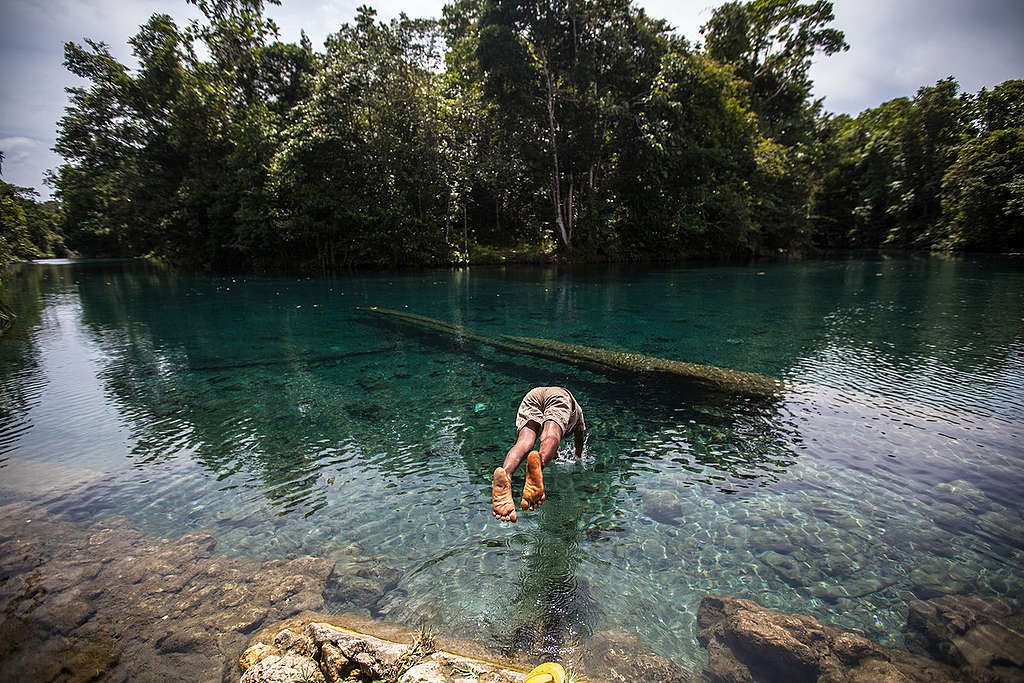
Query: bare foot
x=533, y=492
x=501, y=497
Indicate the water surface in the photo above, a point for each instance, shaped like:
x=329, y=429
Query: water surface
x=271, y=412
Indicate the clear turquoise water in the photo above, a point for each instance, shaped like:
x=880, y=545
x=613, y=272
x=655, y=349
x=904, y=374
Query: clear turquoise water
x=271, y=412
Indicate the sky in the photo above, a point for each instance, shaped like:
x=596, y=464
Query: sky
x=896, y=46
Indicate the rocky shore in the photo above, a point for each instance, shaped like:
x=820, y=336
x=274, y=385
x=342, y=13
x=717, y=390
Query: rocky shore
x=107, y=602
x=953, y=638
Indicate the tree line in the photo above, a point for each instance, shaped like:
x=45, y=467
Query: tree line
x=522, y=127
x=29, y=228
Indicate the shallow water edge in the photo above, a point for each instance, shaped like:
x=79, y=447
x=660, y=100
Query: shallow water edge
x=105, y=601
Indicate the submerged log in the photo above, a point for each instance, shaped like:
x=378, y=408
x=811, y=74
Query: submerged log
x=602, y=360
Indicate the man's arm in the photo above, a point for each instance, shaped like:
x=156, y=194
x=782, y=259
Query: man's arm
x=578, y=434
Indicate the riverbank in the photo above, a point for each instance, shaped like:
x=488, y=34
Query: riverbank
x=108, y=602
x=105, y=601
x=544, y=255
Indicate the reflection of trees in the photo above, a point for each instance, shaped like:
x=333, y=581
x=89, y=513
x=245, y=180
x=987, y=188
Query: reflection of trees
x=248, y=384
x=272, y=403
x=229, y=380
x=929, y=307
x=26, y=289
x=956, y=312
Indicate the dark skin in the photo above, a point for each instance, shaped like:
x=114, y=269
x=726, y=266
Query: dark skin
x=503, y=506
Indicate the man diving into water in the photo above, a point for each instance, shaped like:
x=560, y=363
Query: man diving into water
x=549, y=412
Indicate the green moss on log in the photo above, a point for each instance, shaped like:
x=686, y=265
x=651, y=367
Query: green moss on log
x=602, y=360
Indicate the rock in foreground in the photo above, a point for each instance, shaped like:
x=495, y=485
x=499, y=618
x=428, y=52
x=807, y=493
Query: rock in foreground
x=323, y=652
x=968, y=630
x=748, y=643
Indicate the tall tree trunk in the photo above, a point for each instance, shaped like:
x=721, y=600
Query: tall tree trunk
x=556, y=190
x=568, y=209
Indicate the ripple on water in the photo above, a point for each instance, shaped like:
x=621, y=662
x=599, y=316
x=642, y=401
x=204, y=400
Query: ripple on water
x=890, y=470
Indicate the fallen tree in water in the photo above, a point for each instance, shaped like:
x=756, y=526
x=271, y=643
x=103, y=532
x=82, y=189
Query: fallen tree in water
x=602, y=360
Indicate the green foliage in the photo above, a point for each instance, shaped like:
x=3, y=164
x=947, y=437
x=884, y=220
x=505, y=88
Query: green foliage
x=568, y=79
x=28, y=228
x=687, y=180
x=771, y=44
x=1002, y=107
x=931, y=172
x=362, y=174
x=983, y=193
x=466, y=671
x=508, y=127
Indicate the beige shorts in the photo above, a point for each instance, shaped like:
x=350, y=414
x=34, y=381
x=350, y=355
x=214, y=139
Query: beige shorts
x=545, y=403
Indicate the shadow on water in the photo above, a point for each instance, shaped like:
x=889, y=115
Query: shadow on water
x=552, y=609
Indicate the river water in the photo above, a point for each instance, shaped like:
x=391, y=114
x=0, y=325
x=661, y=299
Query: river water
x=273, y=413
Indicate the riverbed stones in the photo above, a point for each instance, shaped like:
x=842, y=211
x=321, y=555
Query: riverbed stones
x=748, y=643
x=855, y=588
x=663, y=506
x=931, y=579
x=363, y=582
x=619, y=656
x=969, y=630
x=793, y=572
x=107, y=601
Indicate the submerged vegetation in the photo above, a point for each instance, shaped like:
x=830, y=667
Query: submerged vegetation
x=585, y=128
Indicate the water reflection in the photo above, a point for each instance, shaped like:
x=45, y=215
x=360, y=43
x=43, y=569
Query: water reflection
x=268, y=410
x=24, y=295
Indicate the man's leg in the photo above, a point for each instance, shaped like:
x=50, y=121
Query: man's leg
x=503, y=506
x=533, y=492
x=549, y=440
x=523, y=445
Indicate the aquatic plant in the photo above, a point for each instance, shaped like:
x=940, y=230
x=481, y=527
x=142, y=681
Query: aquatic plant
x=424, y=644
x=466, y=670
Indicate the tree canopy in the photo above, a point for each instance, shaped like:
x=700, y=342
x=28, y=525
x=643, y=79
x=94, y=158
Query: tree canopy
x=583, y=127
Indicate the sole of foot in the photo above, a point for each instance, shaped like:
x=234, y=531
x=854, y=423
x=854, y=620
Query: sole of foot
x=503, y=507
x=533, y=492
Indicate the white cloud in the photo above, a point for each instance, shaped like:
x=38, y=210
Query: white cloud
x=898, y=47
x=17, y=150
x=24, y=162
